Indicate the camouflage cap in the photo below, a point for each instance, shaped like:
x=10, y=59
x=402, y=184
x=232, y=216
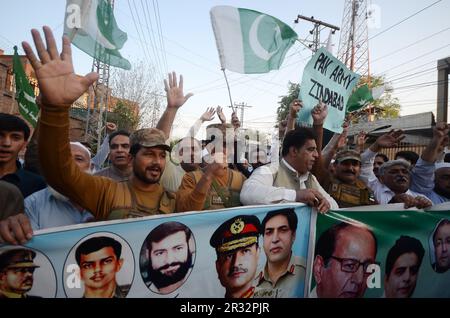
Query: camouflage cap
x=149, y=137
x=236, y=233
x=347, y=155
x=17, y=258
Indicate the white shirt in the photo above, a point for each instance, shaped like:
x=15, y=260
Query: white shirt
x=382, y=193
x=259, y=189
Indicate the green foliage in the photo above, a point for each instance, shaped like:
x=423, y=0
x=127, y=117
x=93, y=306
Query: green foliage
x=124, y=116
x=285, y=101
x=382, y=108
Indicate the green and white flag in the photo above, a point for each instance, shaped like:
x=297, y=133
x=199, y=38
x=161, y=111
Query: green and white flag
x=24, y=92
x=91, y=27
x=359, y=99
x=249, y=41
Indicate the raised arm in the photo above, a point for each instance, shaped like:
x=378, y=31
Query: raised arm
x=175, y=99
x=60, y=87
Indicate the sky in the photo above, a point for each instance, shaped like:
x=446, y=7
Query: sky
x=406, y=54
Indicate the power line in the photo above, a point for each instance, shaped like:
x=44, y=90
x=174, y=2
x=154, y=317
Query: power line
x=405, y=19
x=161, y=39
x=412, y=44
x=416, y=58
x=427, y=71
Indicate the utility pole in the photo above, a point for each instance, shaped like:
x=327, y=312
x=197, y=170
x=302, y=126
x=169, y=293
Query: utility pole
x=96, y=121
x=242, y=107
x=314, y=45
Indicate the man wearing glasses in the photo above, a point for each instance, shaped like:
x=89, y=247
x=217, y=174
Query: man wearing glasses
x=343, y=255
x=16, y=273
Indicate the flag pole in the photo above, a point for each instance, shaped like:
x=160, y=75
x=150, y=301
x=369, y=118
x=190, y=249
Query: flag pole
x=229, y=92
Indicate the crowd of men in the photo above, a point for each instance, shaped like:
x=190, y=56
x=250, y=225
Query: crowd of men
x=146, y=176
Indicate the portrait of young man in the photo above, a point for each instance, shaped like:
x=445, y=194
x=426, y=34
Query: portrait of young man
x=16, y=273
x=168, y=251
x=99, y=259
x=342, y=255
x=283, y=275
x=402, y=267
x=237, y=250
x=440, y=246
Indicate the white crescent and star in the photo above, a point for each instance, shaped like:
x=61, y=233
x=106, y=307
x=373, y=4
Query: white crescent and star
x=256, y=46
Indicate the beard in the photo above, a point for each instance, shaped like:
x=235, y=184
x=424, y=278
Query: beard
x=162, y=280
x=143, y=177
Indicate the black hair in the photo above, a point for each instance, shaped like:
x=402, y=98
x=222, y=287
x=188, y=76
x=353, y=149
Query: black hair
x=411, y=156
x=13, y=123
x=95, y=244
x=118, y=133
x=134, y=149
x=326, y=244
x=297, y=138
x=163, y=230
x=382, y=155
x=405, y=244
x=288, y=213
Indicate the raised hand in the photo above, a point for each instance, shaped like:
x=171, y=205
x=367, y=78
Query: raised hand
x=208, y=115
x=390, y=139
x=319, y=113
x=58, y=84
x=221, y=115
x=295, y=107
x=174, y=91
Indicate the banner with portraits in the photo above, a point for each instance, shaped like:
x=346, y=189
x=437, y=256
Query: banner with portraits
x=215, y=254
x=275, y=251
x=382, y=253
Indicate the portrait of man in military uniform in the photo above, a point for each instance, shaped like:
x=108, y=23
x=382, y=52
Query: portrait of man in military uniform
x=99, y=260
x=237, y=249
x=16, y=273
x=167, y=257
x=284, y=274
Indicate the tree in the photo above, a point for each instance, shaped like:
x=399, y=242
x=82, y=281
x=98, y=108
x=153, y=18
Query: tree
x=382, y=108
x=283, y=109
x=125, y=116
x=138, y=86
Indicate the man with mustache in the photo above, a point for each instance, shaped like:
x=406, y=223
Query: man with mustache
x=440, y=246
x=236, y=244
x=99, y=261
x=169, y=257
x=344, y=186
x=397, y=182
x=291, y=180
x=142, y=194
x=48, y=208
x=284, y=274
x=217, y=186
x=402, y=267
x=119, y=155
x=342, y=255
x=16, y=273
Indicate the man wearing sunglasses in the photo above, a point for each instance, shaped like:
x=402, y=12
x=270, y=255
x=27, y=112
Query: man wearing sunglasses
x=343, y=257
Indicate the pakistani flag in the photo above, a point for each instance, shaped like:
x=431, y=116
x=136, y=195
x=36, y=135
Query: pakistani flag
x=91, y=27
x=359, y=99
x=24, y=92
x=249, y=41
